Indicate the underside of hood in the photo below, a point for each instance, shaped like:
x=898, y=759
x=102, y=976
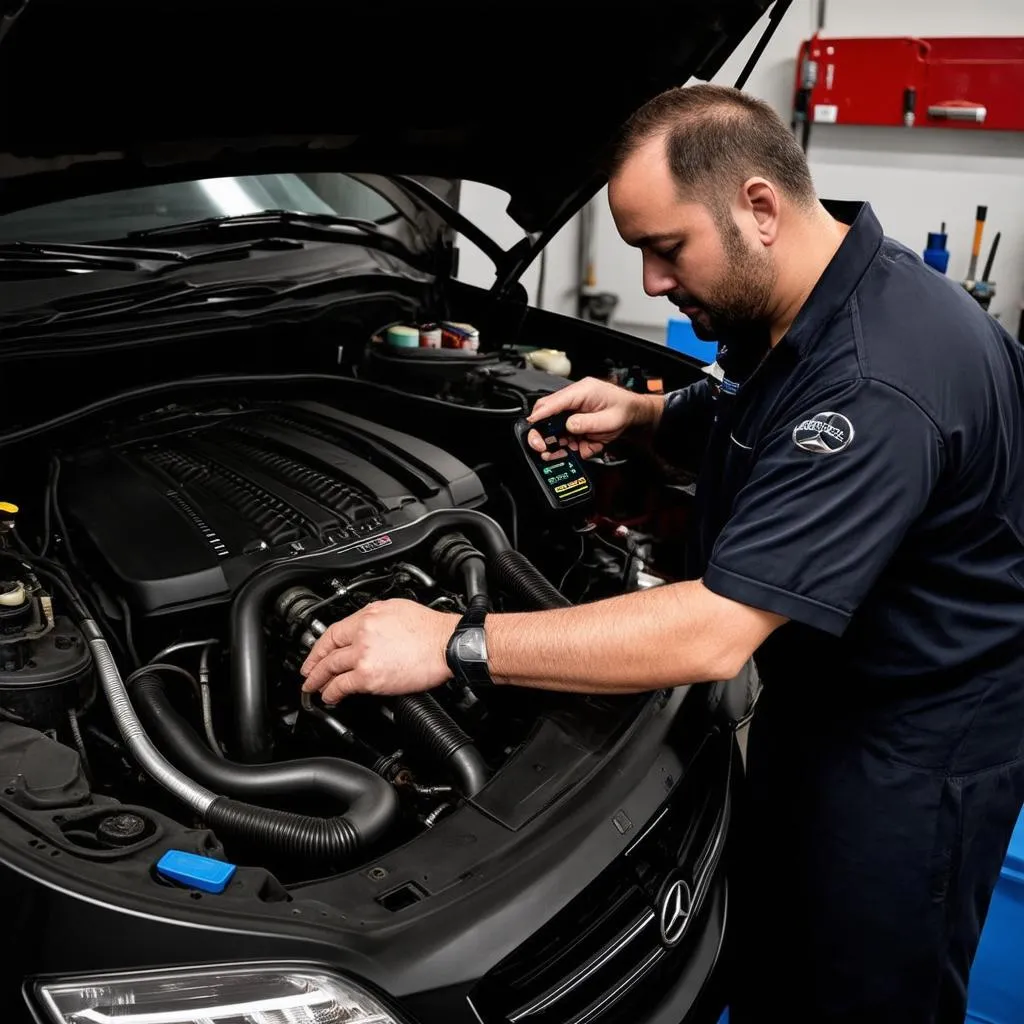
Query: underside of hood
x=112, y=94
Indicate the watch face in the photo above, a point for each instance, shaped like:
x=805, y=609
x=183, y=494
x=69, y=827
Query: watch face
x=472, y=645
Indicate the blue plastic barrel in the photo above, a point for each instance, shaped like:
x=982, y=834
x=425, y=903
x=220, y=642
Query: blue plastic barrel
x=996, y=991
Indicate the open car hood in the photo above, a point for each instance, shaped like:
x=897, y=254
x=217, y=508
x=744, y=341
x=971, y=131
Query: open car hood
x=109, y=95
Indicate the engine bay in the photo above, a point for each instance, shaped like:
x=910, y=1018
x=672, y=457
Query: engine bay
x=235, y=489
x=157, y=603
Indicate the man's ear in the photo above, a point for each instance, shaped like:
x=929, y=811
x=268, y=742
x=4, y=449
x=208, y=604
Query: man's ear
x=760, y=201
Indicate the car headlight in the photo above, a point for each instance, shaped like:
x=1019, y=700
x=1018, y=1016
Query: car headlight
x=249, y=994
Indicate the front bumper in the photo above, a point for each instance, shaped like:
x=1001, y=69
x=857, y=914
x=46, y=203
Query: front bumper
x=595, y=958
x=643, y=940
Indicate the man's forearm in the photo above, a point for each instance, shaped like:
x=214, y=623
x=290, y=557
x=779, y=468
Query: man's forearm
x=653, y=407
x=667, y=636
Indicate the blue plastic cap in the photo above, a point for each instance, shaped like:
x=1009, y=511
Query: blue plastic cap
x=195, y=871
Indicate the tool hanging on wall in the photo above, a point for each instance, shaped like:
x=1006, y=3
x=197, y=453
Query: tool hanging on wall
x=982, y=291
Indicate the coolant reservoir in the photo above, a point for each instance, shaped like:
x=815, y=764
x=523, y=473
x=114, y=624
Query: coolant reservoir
x=12, y=594
x=552, y=360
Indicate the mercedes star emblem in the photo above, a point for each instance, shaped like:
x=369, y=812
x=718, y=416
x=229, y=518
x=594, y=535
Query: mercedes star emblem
x=825, y=433
x=674, y=914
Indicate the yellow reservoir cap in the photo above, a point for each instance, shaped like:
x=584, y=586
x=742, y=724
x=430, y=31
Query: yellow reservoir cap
x=6, y=506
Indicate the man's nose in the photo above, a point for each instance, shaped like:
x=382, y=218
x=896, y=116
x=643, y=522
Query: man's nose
x=657, y=278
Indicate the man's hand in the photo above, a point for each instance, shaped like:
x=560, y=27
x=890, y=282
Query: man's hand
x=673, y=635
x=601, y=412
x=387, y=648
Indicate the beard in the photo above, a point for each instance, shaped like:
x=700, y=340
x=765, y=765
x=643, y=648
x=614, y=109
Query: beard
x=738, y=302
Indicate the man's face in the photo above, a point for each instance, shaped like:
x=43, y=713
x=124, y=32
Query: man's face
x=706, y=267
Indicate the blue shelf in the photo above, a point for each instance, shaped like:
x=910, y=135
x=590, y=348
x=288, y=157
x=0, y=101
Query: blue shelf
x=680, y=337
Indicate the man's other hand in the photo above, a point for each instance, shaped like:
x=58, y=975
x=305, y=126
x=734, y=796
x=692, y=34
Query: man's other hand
x=387, y=648
x=599, y=413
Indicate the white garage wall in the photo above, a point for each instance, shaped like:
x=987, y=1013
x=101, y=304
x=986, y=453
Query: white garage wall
x=485, y=206
x=914, y=179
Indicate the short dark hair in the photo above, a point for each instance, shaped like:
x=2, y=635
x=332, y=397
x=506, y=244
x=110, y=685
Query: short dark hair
x=716, y=138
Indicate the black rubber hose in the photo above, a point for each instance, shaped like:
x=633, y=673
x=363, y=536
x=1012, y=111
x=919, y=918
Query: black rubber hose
x=474, y=577
x=248, y=668
x=460, y=565
x=517, y=574
x=371, y=804
x=425, y=721
x=297, y=837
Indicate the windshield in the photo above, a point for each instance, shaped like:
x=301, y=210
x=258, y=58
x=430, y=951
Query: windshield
x=112, y=215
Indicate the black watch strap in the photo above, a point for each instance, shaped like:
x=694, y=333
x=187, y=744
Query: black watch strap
x=466, y=652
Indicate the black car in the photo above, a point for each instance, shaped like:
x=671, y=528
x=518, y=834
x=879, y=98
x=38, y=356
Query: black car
x=244, y=394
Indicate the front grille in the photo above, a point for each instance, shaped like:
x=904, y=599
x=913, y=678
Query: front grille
x=602, y=957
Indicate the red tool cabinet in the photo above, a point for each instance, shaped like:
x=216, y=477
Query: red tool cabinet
x=969, y=83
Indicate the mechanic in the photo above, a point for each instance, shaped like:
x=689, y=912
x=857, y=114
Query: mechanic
x=860, y=534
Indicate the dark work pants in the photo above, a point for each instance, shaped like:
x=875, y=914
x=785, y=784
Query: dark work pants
x=865, y=879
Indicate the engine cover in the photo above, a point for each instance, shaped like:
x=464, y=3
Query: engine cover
x=181, y=517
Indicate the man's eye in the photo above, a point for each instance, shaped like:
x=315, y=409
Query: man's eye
x=670, y=254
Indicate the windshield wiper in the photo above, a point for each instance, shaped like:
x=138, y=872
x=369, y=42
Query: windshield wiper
x=35, y=259
x=316, y=226
x=60, y=257
x=281, y=226
x=221, y=239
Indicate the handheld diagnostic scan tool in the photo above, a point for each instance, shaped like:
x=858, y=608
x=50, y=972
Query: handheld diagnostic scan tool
x=563, y=481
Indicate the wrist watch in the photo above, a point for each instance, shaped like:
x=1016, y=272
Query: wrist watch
x=466, y=652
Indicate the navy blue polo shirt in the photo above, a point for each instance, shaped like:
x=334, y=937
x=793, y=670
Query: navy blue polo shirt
x=866, y=478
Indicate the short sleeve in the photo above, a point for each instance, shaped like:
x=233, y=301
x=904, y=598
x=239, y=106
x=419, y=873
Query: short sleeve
x=685, y=424
x=832, y=492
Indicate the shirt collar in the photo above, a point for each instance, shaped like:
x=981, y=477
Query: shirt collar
x=841, y=276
